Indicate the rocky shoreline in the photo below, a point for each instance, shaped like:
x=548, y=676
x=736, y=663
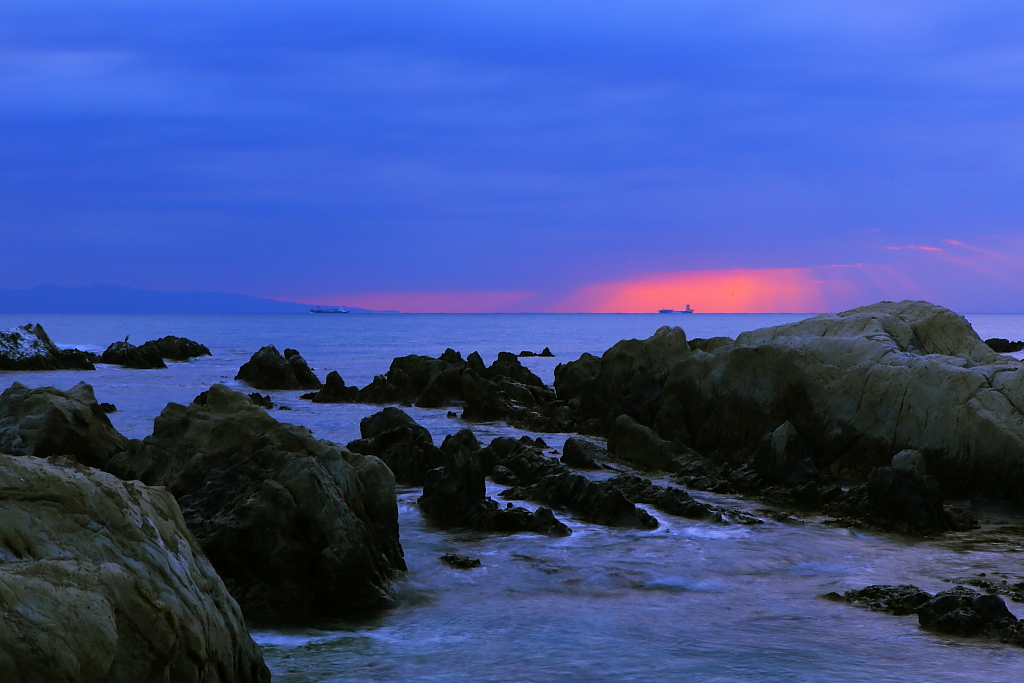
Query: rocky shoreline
x=872, y=417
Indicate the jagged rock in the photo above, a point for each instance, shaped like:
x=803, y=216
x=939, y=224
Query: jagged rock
x=898, y=600
x=709, y=345
x=102, y=583
x=261, y=400
x=296, y=527
x=627, y=380
x=484, y=400
x=525, y=461
x=591, y=501
x=860, y=386
x=455, y=494
x=130, y=356
x=334, y=391
x=269, y=370
x=176, y=348
x=963, y=612
x=902, y=498
x=405, y=446
x=1000, y=345
x=784, y=458
x=108, y=407
x=508, y=366
x=665, y=498
x=546, y=353
x=47, y=421
x=29, y=348
x=583, y=454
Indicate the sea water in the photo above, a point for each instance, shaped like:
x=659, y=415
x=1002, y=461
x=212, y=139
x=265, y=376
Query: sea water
x=689, y=601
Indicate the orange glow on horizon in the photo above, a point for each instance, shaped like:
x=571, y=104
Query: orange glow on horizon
x=768, y=290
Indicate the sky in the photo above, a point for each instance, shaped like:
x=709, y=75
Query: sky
x=756, y=155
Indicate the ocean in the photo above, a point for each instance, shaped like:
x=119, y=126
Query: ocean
x=689, y=601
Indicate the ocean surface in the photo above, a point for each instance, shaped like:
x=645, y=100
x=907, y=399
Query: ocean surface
x=690, y=601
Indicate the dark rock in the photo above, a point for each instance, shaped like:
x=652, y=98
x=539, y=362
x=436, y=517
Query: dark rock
x=485, y=402
x=108, y=407
x=591, y=501
x=667, y=499
x=901, y=498
x=296, y=527
x=334, y=391
x=102, y=581
x=460, y=561
x=961, y=611
x=200, y=399
x=29, y=348
x=404, y=445
x=1000, y=345
x=641, y=447
x=508, y=366
x=546, y=353
x=784, y=458
x=130, y=356
x=583, y=454
x=525, y=461
x=269, y=370
x=626, y=380
x=261, y=400
x=455, y=495
x=177, y=348
x=899, y=600
x=709, y=345
x=47, y=421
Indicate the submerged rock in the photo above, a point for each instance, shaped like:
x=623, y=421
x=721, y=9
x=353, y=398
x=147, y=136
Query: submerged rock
x=176, y=348
x=297, y=527
x=103, y=583
x=130, y=356
x=269, y=370
x=460, y=561
x=47, y=421
x=29, y=348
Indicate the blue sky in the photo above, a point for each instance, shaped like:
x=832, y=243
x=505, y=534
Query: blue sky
x=516, y=155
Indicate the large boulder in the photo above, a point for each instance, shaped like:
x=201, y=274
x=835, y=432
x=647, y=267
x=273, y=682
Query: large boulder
x=404, y=445
x=334, y=391
x=583, y=454
x=47, y=421
x=627, y=380
x=29, y=348
x=269, y=370
x=297, y=527
x=859, y=387
x=101, y=582
x=176, y=348
x=130, y=356
x=641, y=447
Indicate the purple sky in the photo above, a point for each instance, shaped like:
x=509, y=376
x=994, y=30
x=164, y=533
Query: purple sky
x=518, y=155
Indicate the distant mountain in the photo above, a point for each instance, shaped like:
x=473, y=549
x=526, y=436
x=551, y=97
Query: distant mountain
x=117, y=299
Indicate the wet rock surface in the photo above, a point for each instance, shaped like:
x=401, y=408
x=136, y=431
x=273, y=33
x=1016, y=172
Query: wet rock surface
x=296, y=527
x=583, y=454
x=958, y=611
x=460, y=561
x=403, y=445
x=176, y=348
x=29, y=348
x=269, y=370
x=47, y=421
x=902, y=498
x=130, y=356
x=103, y=583
x=665, y=498
x=334, y=391
x=592, y=501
